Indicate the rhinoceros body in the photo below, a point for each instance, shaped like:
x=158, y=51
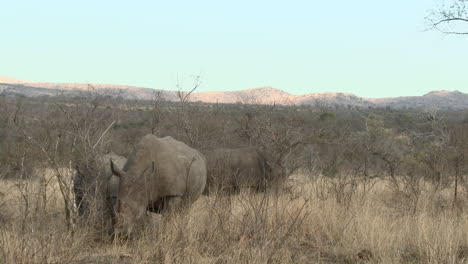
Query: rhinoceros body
x=160, y=174
x=90, y=182
x=236, y=168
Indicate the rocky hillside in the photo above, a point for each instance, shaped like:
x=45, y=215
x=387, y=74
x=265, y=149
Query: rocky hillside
x=263, y=95
x=434, y=99
x=5, y=79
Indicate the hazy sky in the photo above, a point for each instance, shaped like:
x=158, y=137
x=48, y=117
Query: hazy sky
x=367, y=47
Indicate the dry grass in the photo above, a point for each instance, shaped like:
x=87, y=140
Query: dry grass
x=304, y=224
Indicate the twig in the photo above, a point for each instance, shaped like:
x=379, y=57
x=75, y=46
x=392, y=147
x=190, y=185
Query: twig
x=105, y=131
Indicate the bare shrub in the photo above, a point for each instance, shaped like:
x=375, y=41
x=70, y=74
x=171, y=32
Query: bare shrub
x=376, y=185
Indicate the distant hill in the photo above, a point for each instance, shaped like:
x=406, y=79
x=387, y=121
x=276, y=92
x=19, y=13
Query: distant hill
x=5, y=79
x=434, y=99
x=262, y=95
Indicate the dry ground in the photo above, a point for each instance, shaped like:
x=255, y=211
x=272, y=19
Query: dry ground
x=312, y=221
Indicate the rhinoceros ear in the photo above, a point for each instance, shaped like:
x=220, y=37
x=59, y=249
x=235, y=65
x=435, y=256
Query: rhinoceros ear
x=115, y=170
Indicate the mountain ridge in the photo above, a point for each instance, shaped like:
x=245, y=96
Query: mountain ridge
x=439, y=99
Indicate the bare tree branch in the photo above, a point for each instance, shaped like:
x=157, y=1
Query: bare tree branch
x=455, y=12
x=107, y=129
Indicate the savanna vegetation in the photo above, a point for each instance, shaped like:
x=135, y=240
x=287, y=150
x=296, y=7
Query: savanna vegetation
x=365, y=185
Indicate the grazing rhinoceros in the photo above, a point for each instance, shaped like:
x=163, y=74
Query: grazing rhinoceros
x=96, y=179
x=247, y=167
x=160, y=174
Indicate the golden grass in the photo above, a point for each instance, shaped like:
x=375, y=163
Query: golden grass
x=304, y=224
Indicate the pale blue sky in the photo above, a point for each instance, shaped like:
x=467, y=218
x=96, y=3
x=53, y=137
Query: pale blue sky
x=366, y=47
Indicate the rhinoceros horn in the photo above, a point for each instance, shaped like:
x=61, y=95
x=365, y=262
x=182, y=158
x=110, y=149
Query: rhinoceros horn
x=116, y=170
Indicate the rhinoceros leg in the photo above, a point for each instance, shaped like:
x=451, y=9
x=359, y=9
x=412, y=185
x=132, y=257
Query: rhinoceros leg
x=156, y=206
x=168, y=203
x=173, y=203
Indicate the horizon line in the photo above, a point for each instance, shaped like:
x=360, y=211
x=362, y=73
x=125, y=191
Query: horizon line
x=22, y=81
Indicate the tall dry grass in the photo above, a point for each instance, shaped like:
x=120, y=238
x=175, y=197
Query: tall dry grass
x=309, y=222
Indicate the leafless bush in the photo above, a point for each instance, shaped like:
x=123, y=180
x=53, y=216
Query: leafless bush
x=340, y=208
x=75, y=136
